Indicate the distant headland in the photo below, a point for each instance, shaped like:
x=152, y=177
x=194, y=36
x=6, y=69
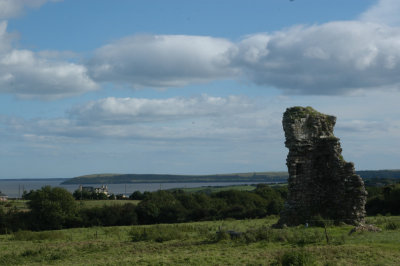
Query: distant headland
x=252, y=177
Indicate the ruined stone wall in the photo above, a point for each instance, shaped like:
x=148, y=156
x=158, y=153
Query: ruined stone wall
x=320, y=182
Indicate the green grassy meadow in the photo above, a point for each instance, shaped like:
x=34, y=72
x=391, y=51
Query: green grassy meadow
x=100, y=203
x=21, y=205
x=199, y=244
x=215, y=189
x=18, y=204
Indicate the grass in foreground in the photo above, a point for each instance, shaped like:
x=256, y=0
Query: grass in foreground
x=206, y=243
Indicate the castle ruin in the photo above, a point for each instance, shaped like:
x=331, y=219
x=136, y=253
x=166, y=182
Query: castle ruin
x=321, y=183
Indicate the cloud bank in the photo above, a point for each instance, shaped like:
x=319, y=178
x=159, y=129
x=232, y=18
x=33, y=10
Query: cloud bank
x=383, y=12
x=27, y=74
x=332, y=58
x=336, y=58
x=195, y=118
x=13, y=8
x=162, y=60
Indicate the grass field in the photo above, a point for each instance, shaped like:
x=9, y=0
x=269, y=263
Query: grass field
x=199, y=244
x=21, y=205
x=100, y=203
x=214, y=189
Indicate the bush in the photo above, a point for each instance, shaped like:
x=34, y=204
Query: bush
x=301, y=237
x=161, y=207
x=220, y=236
x=392, y=225
x=295, y=258
x=51, y=208
x=260, y=234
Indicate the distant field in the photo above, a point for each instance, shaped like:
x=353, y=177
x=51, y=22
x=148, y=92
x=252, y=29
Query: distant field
x=22, y=204
x=199, y=244
x=212, y=189
x=100, y=203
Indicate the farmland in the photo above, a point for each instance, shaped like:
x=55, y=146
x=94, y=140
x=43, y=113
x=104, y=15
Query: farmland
x=203, y=243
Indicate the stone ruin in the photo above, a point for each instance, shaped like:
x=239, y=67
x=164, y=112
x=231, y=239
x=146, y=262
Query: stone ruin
x=321, y=183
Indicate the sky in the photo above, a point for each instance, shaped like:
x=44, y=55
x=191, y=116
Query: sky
x=192, y=87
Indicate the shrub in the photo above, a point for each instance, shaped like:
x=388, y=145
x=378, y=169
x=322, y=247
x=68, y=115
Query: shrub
x=295, y=258
x=220, y=236
x=260, y=234
x=301, y=237
x=51, y=208
x=392, y=225
x=160, y=207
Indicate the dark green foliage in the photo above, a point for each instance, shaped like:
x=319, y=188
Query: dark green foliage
x=109, y=215
x=295, y=257
x=220, y=236
x=137, y=195
x=91, y=195
x=242, y=204
x=52, y=208
x=384, y=200
x=160, y=207
x=392, y=225
x=179, y=206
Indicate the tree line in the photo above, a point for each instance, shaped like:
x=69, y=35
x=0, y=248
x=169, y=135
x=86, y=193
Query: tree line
x=56, y=208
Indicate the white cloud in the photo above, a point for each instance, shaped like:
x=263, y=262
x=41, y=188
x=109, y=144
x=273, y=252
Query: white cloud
x=13, y=8
x=332, y=58
x=341, y=57
x=202, y=117
x=162, y=60
x=133, y=110
x=27, y=74
x=234, y=127
x=383, y=12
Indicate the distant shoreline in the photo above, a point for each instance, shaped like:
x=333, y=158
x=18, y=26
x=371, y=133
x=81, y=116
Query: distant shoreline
x=252, y=177
x=32, y=179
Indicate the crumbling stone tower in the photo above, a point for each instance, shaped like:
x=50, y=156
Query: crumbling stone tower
x=321, y=182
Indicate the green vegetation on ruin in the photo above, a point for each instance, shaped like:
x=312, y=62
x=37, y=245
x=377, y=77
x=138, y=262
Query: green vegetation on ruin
x=300, y=112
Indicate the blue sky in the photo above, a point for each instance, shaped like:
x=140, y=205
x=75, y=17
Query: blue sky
x=191, y=87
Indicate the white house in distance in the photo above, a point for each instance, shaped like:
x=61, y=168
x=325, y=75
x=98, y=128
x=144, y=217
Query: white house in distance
x=103, y=189
x=3, y=197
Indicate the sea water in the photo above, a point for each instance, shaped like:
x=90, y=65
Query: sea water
x=14, y=188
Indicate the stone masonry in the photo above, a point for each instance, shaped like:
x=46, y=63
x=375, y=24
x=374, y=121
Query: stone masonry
x=321, y=183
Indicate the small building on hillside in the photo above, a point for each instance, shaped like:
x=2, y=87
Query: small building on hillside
x=3, y=197
x=98, y=190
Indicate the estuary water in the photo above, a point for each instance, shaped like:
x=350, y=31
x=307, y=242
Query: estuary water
x=13, y=188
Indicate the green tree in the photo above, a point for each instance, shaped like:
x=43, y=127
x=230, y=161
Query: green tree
x=160, y=207
x=52, y=208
